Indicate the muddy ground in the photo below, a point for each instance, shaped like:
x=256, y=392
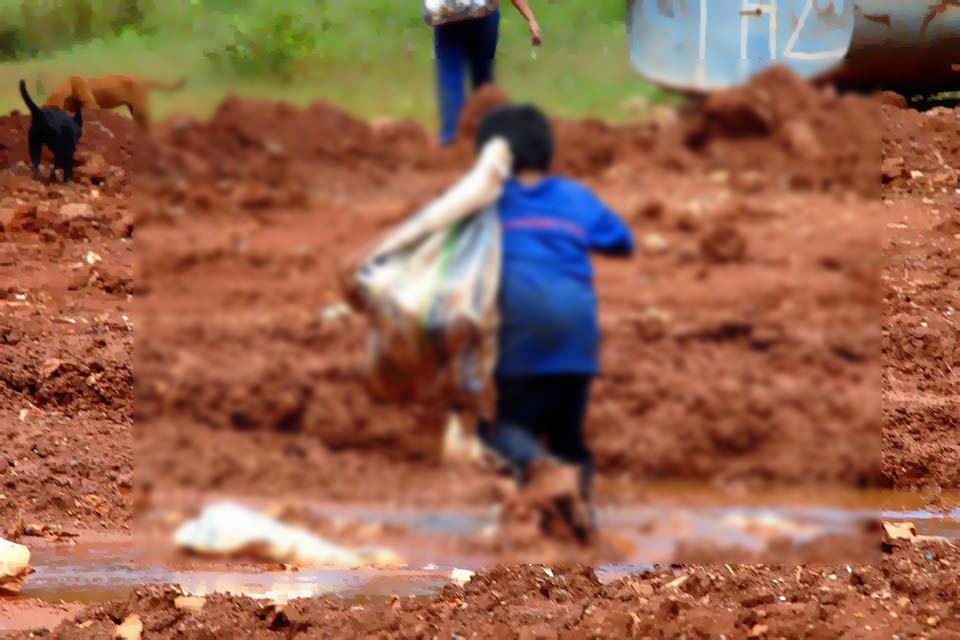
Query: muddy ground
x=913, y=592
x=741, y=344
x=755, y=290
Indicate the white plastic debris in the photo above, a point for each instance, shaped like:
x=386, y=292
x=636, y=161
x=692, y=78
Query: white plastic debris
x=229, y=529
x=130, y=629
x=770, y=525
x=336, y=311
x=14, y=567
x=460, y=447
x=461, y=576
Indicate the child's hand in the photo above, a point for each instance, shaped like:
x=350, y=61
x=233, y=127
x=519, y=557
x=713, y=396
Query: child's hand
x=535, y=35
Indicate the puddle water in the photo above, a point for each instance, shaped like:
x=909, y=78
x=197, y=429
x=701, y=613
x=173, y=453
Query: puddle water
x=95, y=570
x=90, y=572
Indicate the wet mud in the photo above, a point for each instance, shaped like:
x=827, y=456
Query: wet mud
x=912, y=592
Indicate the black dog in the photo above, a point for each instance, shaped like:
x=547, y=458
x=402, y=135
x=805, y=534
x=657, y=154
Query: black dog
x=58, y=131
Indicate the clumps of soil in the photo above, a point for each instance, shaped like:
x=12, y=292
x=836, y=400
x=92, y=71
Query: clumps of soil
x=66, y=343
x=920, y=154
x=68, y=472
x=912, y=592
x=807, y=137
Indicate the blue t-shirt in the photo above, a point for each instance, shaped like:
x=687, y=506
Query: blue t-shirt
x=547, y=300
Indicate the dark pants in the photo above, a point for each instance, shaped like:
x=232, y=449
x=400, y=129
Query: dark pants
x=551, y=409
x=460, y=45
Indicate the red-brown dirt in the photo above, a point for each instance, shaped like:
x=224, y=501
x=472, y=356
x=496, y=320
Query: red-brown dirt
x=764, y=292
x=753, y=292
x=921, y=290
x=66, y=343
x=741, y=343
x=913, y=592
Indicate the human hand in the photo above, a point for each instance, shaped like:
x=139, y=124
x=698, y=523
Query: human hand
x=535, y=35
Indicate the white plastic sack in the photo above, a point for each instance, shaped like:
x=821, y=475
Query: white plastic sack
x=438, y=12
x=430, y=291
x=14, y=566
x=231, y=530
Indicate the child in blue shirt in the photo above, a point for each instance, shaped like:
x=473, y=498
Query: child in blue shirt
x=549, y=337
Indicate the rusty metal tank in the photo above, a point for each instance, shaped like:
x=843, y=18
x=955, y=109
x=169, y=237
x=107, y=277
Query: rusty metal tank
x=909, y=46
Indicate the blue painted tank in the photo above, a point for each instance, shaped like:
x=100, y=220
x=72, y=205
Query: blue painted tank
x=698, y=45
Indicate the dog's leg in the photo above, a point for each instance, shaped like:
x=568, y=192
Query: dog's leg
x=139, y=105
x=140, y=115
x=65, y=163
x=36, y=152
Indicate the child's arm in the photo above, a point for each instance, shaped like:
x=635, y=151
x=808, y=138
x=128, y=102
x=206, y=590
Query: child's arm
x=608, y=234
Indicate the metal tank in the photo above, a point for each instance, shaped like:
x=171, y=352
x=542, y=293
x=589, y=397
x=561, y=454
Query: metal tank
x=909, y=46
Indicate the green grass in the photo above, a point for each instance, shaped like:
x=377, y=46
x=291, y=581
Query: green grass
x=373, y=57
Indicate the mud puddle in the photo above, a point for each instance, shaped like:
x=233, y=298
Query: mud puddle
x=95, y=569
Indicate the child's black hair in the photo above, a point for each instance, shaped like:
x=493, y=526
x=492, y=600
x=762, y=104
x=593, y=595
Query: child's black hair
x=528, y=132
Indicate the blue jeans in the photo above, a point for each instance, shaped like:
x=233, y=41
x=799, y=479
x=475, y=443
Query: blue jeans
x=458, y=45
x=548, y=407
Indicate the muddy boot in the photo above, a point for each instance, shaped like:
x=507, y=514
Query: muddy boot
x=555, y=488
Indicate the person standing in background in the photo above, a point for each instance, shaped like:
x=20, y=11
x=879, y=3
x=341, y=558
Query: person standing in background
x=466, y=38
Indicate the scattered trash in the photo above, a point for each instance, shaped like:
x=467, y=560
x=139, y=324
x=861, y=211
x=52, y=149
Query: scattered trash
x=769, y=526
x=900, y=530
x=91, y=258
x=908, y=531
x=193, y=604
x=460, y=447
x=130, y=629
x=655, y=243
x=548, y=571
x=676, y=584
x=461, y=576
x=14, y=567
x=229, y=529
x=336, y=311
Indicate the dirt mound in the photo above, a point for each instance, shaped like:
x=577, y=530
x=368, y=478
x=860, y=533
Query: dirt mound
x=105, y=133
x=784, y=126
x=912, y=592
x=66, y=343
x=482, y=102
x=241, y=128
x=920, y=150
x=67, y=471
x=921, y=359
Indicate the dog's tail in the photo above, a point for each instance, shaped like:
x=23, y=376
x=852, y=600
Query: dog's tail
x=167, y=86
x=34, y=109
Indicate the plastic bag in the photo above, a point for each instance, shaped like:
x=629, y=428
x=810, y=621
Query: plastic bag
x=14, y=567
x=439, y=12
x=228, y=529
x=430, y=291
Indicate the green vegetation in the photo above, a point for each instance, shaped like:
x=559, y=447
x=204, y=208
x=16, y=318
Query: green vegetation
x=373, y=57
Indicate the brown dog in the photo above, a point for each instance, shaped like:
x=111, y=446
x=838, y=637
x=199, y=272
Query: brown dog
x=110, y=92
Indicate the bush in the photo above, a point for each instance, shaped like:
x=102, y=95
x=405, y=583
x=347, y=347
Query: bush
x=272, y=44
x=35, y=27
